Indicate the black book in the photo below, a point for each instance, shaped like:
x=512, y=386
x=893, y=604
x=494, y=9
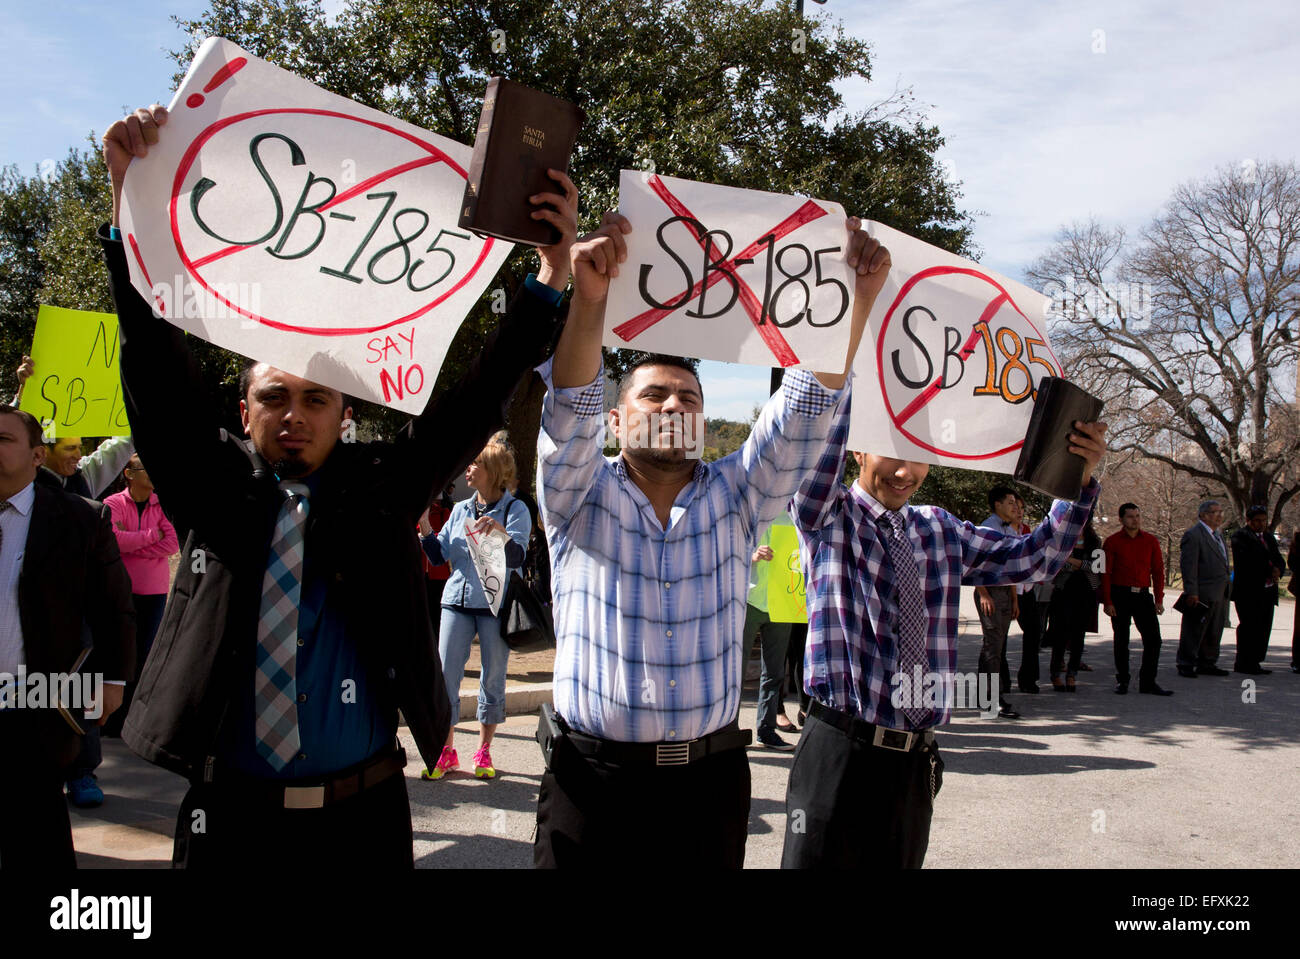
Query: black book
x=1046, y=462
x=522, y=133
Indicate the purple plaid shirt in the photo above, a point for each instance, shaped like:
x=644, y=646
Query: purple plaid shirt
x=851, y=655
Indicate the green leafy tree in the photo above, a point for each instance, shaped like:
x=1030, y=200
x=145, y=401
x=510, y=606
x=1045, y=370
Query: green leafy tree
x=713, y=91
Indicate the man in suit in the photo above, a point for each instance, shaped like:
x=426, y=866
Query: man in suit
x=1203, y=559
x=63, y=588
x=1257, y=567
x=298, y=624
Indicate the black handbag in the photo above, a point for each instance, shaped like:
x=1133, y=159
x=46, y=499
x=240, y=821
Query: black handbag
x=526, y=623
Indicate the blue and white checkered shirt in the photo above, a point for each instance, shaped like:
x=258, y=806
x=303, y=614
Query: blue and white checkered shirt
x=648, y=621
x=851, y=656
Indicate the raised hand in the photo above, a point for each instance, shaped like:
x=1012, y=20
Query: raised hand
x=130, y=137
x=554, y=271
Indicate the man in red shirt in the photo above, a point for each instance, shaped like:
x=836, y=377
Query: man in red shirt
x=1134, y=566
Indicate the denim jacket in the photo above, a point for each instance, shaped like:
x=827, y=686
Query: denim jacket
x=463, y=587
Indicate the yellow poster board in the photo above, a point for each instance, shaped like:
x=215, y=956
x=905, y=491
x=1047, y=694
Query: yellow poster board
x=76, y=389
x=786, y=600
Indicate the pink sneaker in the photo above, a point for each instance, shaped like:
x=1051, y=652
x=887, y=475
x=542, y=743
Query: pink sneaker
x=446, y=763
x=483, y=764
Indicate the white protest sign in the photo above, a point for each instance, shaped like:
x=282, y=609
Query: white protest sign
x=488, y=553
x=306, y=231
x=949, y=369
x=725, y=274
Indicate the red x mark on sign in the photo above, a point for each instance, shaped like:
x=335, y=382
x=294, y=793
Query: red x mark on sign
x=771, y=335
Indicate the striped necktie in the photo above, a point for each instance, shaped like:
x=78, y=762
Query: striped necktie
x=275, y=685
x=912, y=618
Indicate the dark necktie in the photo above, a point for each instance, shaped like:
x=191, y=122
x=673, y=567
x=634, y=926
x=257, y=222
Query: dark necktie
x=912, y=618
x=275, y=679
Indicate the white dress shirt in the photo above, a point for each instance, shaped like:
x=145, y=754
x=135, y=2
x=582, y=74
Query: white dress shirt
x=14, y=523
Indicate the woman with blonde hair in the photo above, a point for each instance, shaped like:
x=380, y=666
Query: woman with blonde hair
x=466, y=608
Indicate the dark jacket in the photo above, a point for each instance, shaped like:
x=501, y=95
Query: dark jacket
x=360, y=531
x=1251, y=560
x=73, y=594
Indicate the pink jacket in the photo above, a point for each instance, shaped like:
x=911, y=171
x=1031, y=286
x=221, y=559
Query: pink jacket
x=145, y=542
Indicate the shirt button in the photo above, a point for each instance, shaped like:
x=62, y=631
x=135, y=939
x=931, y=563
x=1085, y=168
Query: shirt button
x=668, y=585
x=672, y=734
x=302, y=697
x=302, y=642
x=670, y=632
x=302, y=756
x=672, y=682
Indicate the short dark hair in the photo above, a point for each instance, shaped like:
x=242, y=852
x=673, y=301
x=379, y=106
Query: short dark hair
x=246, y=381
x=998, y=493
x=1256, y=510
x=33, y=426
x=1124, y=508
x=659, y=359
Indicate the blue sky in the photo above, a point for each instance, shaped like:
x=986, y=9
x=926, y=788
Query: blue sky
x=1053, y=112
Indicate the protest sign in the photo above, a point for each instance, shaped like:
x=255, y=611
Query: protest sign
x=725, y=274
x=787, y=601
x=488, y=553
x=948, y=371
x=76, y=389
x=304, y=230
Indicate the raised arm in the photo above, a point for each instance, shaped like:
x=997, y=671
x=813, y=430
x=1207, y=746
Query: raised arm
x=573, y=425
x=158, y=371
x=106, y=463
x=817, y=500
x=453, y=428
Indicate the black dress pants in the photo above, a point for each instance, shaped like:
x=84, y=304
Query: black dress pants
x=592, y=814
x=1032, y=615
x=222, y=828
x=1254, y=626
x=1140, y=610
x=35, y=832
x=851, y=805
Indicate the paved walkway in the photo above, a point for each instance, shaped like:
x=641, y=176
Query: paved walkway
x=1202, y=778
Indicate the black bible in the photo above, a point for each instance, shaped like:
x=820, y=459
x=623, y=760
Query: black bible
x=1046, y=462
x=522, y=133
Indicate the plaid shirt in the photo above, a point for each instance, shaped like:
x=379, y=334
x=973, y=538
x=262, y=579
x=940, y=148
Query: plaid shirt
x=852, y=604
x=648, y=622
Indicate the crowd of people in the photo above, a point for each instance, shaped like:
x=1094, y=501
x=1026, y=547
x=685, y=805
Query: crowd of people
x=325, y=585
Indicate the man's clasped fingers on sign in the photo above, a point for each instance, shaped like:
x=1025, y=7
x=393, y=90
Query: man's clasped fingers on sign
x=130, y=137
x=596, y=257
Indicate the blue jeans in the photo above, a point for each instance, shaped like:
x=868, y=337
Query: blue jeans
x=455, y=634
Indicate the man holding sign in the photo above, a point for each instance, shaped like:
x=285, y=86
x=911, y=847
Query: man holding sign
x=299, y=623
x=651, y=554
x=884, y=585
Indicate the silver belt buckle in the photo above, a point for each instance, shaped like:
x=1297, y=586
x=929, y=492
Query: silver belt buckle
x=881, y=734
x=672, y=754
x=1135, y=589
x=304, y=797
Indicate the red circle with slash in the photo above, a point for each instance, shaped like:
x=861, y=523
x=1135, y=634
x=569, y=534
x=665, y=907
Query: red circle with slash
x=897, y=417
x=437, y=155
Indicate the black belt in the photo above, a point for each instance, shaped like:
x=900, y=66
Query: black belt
x=316, y=793
x=870, y=733
x=660, y=754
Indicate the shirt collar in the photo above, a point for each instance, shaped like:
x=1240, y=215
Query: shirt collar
x=22, y=501
x=874, y=508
